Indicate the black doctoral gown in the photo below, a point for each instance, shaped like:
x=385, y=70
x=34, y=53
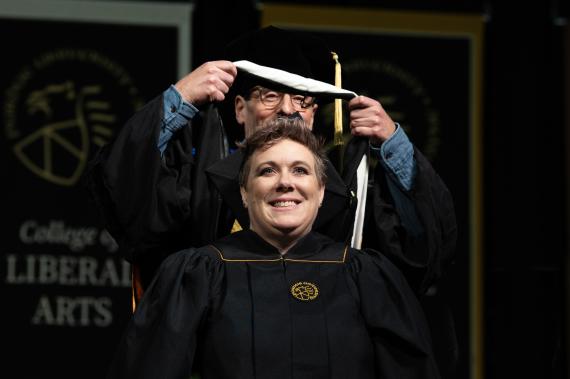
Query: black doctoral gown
x=238, y=309
x=154, y=205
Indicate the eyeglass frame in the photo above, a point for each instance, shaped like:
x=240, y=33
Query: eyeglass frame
x=300, y=106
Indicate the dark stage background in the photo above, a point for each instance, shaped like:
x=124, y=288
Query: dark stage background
x=68, y=86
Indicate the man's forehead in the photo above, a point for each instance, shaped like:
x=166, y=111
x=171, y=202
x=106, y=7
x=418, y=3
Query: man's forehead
x=277, y=88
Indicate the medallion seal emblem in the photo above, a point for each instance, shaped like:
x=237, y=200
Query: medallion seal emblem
x=304, y=291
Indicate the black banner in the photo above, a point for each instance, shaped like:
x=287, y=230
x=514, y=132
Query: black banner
x=66, y=89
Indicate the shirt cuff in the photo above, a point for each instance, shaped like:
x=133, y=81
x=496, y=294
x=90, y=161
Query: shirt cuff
x=176, y=114
x=176, y=109
x=396, y=155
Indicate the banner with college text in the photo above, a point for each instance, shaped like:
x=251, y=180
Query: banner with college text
x=69, y=81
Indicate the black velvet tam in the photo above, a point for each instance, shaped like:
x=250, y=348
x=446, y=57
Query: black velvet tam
x=295, y=52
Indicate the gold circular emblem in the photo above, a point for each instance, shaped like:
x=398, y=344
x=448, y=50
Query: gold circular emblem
x=304, y=291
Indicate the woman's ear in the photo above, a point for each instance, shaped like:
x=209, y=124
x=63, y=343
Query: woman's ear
x=243, y=193
x=322, y=195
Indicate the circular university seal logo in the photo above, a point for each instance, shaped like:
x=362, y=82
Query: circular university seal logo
x=60, y=104
x=304, y=291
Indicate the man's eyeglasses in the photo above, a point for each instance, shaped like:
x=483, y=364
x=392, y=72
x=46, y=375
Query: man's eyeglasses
x=272, y=99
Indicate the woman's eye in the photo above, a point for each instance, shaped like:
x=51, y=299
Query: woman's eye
x=300, y=170
x=266, y=171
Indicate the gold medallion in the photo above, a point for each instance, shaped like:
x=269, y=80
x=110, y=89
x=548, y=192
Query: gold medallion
x=304, y=291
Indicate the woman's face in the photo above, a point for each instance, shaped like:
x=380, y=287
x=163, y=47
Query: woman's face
x=282, y=192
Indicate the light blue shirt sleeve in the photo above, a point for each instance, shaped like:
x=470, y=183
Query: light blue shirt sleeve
x=396, y=154
x=176, y=113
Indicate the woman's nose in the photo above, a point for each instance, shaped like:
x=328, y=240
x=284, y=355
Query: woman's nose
x=285, y=184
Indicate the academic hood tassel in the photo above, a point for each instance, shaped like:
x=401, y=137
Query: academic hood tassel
x=338, y=140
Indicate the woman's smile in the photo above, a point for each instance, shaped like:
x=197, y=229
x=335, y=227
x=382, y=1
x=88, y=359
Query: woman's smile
x=282, y=192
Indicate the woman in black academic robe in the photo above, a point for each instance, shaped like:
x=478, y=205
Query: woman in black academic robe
x=278, y=301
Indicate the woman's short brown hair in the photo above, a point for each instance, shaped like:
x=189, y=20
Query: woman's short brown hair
x=277, y=130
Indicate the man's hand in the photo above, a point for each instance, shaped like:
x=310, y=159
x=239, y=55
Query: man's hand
x=369, y=119
x=208, y=83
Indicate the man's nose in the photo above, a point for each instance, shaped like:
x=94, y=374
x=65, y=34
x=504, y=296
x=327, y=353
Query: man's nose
x=286, y=106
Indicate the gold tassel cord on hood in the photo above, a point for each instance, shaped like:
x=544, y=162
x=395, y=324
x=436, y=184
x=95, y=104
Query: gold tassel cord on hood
x=338, y=141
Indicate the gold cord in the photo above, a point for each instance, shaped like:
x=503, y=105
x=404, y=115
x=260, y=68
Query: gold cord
x=338, y=141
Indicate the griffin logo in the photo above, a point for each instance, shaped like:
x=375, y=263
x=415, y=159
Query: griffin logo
x=63, y=103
